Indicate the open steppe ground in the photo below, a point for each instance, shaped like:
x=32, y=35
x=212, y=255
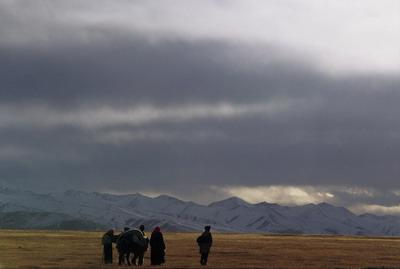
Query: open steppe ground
x=64, y=249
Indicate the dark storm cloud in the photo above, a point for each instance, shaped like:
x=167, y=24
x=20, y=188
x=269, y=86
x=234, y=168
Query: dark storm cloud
x=166, y=72
x=339, y=131
x=103, y=108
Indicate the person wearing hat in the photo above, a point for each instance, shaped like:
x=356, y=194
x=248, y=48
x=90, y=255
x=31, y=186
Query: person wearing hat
x=138, y=255
x=205, y=242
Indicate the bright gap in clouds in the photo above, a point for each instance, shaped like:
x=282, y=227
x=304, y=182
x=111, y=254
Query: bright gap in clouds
x=136, y=115
x=376, y=209
x=356, y=199
x=285, y=195
x=339, y=35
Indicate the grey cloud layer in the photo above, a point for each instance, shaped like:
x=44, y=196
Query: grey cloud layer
x=360, y=35
x=97, y=106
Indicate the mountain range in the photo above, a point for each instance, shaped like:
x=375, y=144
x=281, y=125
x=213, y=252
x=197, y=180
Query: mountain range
x=79, y=210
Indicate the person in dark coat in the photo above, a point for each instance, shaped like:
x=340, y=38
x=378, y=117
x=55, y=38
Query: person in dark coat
x=139, y=254
x=157, y=245
x=205, y=242
x=107, y=241
x=122, y=258
x=122, y=243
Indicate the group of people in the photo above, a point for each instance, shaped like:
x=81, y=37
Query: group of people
x=135, y=241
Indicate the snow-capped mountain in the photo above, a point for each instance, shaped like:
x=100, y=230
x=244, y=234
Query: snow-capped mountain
x=84, y=210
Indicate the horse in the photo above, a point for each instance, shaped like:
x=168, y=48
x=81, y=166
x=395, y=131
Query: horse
x=132, y=241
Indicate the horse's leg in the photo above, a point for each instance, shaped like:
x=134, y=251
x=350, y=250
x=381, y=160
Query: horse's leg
x=134, y=258
x=141, y=256
x=127, y=258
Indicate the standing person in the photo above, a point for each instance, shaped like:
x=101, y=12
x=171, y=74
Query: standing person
x=107, y=241
x=123, y=247
x=138, y=254
x=157, y=245
x=205, y=242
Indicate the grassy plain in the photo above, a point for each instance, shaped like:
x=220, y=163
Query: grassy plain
x=65, y=249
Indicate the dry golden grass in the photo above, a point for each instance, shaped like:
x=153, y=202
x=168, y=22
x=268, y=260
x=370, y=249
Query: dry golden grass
x=49, y=249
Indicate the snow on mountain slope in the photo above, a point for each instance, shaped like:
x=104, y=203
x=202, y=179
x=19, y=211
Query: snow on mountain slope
x=325, y=218
x=232, y=215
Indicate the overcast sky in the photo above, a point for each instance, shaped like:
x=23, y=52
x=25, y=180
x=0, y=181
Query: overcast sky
x=282, y=101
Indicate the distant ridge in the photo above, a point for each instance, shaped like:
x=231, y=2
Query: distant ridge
x=73, y=209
